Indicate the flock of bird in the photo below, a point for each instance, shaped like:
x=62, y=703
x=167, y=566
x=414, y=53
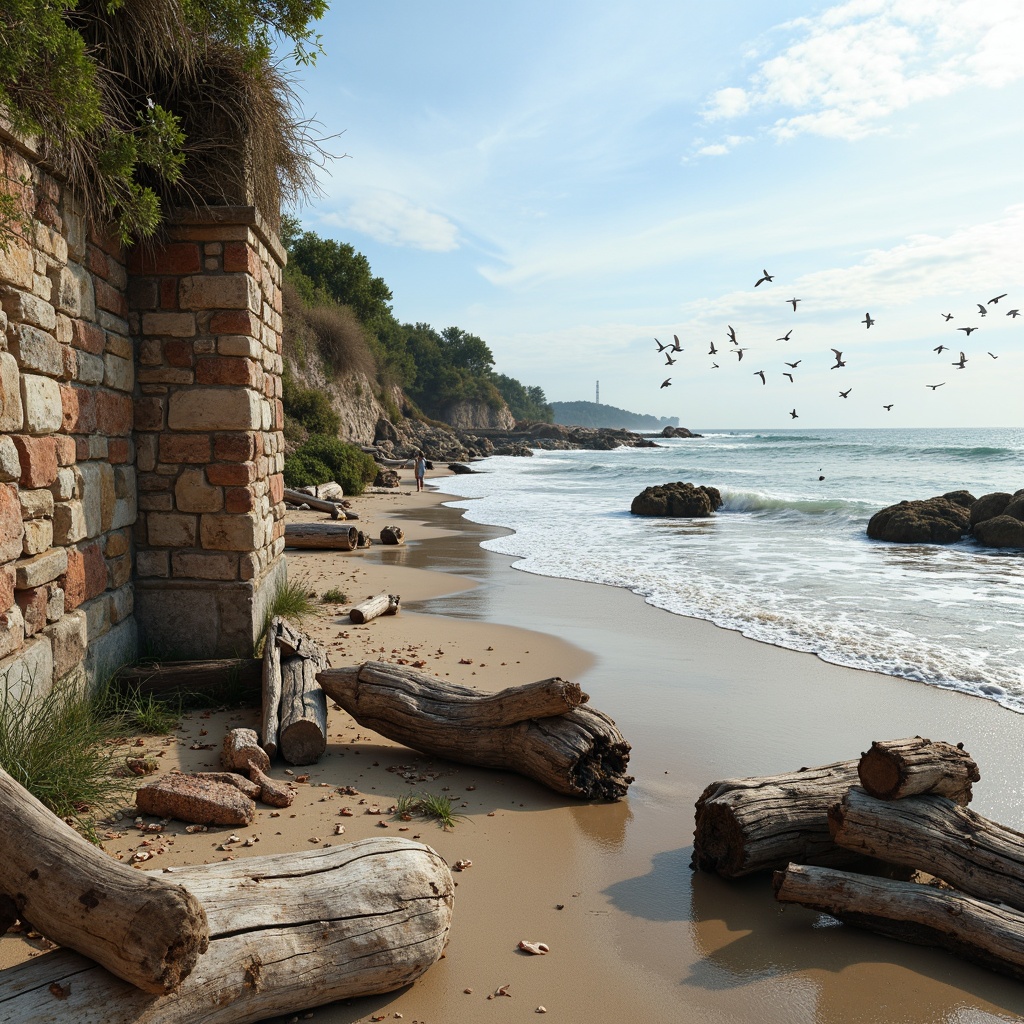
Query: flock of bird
x=670, y=350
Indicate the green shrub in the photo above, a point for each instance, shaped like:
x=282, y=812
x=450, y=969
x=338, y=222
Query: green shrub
x=324, y=458
x=309, y=407
x=304, y=470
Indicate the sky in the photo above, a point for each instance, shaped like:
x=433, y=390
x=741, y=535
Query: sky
x=571, y=180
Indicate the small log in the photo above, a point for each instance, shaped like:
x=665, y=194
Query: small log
x=247, y=786
x=933, y=834
x=893, y=769
x=239, y=748
x=382, y=604
x=271, y=688
x=759, y=824
x=288, y=932
x=277, y=794
x=189, y=676
x=320, y=536
x=293, y=641
x=575, y=751
x=925, y=915
x=392, y=535
x=302, y=737
x=320, y=504
x=193, y=798
x=143, y=928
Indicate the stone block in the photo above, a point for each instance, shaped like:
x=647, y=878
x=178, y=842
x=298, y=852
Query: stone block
x=173, y=325
x=207, y=408
x=118, y=373
x=11, y=413
x=95, y=569
x=68, y=643
x=97, y=618
x=63, y=330
x=239, y=345
x=65, y=487
x=32, y=603
x=114, y=413
x=75, y=295
x=221, y=292
x=10, y=464
x=204, y=565
x=37, y=537
x=193, y=494
x=119, y=345
x=119, y=451
x=11, y=527
x=36, y=504
x=143, y=293
x=41, y=404
x=236, y=322
x=234, y=447
x=40, y=569
x=171, y=530
x=96, y=486
x=178, y=353
x=231, y=474
x=12, y=635
x=149, y=415
x=229, y=532
x=175, y=258
x=164, y=375
x=112, y=323
x=117, y=543
x=153, y=563
x=25, y=308
x=88, y=368
x=16, y=266
x=177, y=448
x=65, y=448
x=122, y=603
x=27, y=676
x=54, y=602
x=109, y=298
x=239, y=499
x=119, y=571
x=125, y=484
x=118, y=648
x=69, y=525
x=47, y=237
x=87, y=337
x=231, y=370
x=156, y=502
x=6, y=587
x=38, y=458
x=36, y=351
x=78, y=410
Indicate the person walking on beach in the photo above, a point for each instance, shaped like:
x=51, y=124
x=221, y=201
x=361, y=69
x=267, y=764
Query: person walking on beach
x=419, y=469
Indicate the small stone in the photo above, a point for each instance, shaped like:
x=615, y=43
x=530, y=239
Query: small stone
x=541, y=1009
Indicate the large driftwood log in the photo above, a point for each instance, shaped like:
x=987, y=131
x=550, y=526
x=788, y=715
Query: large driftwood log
x=758, y=824
x=188, y=676
x=892, y=769
x=540, y=730
x=288, y=932
x=382, y=604
x=320, y=536
x=320, y=504
x=992, y=936
x=302, y=736
x=933, y=834
x=144, y=928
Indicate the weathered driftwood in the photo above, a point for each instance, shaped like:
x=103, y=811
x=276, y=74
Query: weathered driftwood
x=392, y=535
x=288, y=932
x=763, y=823
x=892, y=769
x=271, y=688
x=382, y=604
x=197, y=799
x=933, y=834
x=241, y=746
x=146, y=929
x=320, y=504
x=189, y=676
x=302, y=736
x=294, y=641
x=571, y=749
x=320, y=535
x=277, y=794
x=925, y=915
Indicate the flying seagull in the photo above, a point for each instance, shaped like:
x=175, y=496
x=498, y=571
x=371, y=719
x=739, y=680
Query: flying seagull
x=714, y=366
x=934, y=386
x=794, y=301
x=785, y=337
x=767, y=277
x=669, y=361
x=793, y=366
x=940, y=349
x=946, y=316
x=867, y=320
x=839, y=360
x=667, y=383
x=760, y=373
x=982, y=311
x=676, y=347
x=992, y=302
x=714, y=351
x=661, y=348
x=846, y=393
x=993, y=355
x=1013, y=312
x=888, y=408
x=962, y=364
x=739, y=353
x=967, y=330
x=789, y=375
x=794, y=415
x=732, y=334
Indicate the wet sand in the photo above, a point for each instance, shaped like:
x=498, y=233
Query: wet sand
x=639, y=936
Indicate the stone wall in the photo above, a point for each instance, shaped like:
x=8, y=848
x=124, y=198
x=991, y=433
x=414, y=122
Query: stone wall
x=140, y=436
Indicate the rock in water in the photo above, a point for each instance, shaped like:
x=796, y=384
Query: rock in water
x=939, y=520
x=989, y=506
x=1000, y=532
x=683, y=500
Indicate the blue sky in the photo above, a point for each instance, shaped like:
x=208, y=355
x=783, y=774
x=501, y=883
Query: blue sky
x=570, y=180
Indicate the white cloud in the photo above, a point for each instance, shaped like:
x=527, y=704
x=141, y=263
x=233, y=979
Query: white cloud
x=392, y=219
x=732, y=102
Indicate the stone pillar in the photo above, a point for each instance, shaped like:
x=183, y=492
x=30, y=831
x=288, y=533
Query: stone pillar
x=206, y=309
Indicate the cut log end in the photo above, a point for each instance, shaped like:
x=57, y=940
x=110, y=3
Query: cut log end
x=600, y=773
x=720, y=846
x=879, y=774
x=303, y=743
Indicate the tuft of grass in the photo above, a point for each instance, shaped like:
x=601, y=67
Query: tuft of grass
x=129, y=710
x=334, y=596
x=291, y=601
x=429, y=806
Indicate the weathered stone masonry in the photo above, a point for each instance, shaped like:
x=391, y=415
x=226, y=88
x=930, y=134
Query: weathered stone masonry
x=140, y=437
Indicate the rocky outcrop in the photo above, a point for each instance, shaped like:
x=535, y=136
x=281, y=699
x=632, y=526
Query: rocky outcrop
x=472, y=415
x=681, y=500
x=678, y=432
x=988, y=506
x=997, y=520
x=943, y=519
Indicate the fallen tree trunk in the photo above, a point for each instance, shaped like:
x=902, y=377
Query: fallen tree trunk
x=758, y=824
x=540, y=730
x=382, y=604
x=320, y=504
x=188, y=676
x=302, y=735
x=288, y=932
x=320, y=535
x=143, y=928
x=933, y=834
x=992, y=936
x=893, y=769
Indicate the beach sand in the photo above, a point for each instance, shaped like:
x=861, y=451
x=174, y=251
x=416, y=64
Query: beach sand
x=640, y=936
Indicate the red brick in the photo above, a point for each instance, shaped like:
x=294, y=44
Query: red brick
x=278, y=414
x=257, y=443
x=118, y=451
x=96, y=261
x=173, y=258
x=7, y=576
x=233, y=447
x=235, y=321
x=38, y=457
x=231, y=474
x=73, y=581
x=33, y=608
x=95, y=567
x=114, y=413
x=65, y=450
x=226, y=370
x=143, y=292
x=69, y=361
x=276, y=489
x=238, y=256
x=47, y=213
x=178, y=353
x=108, y=242
x=169, y=293
x=184, y=448
x=238, y=499
x=79, y=405
x=88, y=337
x=278, y=529
x=81, y=449
x=149, y=414
x=109, y=298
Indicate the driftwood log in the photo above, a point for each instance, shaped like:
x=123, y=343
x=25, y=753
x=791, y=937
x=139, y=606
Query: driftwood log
x=302, y=734
x=189, y=676
x=382, y=604
x=320, y=504
x=893, y=769
x=983, y=933
x=933, y=834
x=288, y=932
x=392, y=535
x=144, y=928
x=320, y=536
x=758, y=824
x=271, y=688
x=541, y=730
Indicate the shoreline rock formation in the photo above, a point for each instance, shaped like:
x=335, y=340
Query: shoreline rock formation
x=681, y=500
x=995, y=520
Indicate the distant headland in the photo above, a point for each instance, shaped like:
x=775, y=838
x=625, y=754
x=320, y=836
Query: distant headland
x=592, y=414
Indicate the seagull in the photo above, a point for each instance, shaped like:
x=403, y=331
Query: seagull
x=732, y=335
x=669, y=361
x=714, y=366
x=661, y=348
x=767, y=277
x=794, y=415
x=940, y=349
x=845, y=394
x=677, y=347
x=667, y=383
x=967, y=330
x=760, y=373
x=867, y=320
x=993, y=355
x=946, y=316
x=739, y=353
x=992, y=302
x=793, y=366
x=982, y=311
x=789, y=375
x=794, y=302
x=785, y=337
x=839, y=360
x=714, y=351
x=962, y=364
x=934, y=386
x=1013, y=312
x=888, y=408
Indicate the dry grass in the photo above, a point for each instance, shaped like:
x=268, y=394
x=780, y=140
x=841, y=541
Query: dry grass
x=332, y=330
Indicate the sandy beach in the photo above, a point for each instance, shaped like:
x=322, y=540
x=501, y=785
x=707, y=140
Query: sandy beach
x=638, y=934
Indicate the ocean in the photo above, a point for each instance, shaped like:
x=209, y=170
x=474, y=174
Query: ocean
x=786, y=560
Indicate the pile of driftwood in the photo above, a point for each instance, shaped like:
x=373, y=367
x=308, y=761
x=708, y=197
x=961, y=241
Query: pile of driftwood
x=224, y=943
x=962, y=875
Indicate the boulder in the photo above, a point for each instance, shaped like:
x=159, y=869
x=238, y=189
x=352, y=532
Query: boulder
x=460, y=470
x=679, y=432
x=386, y=478
x=193, y=798
x=1000, y=532
x=1015, y=509
x=963, y=498
x=988, y=506
x=682, y=500
x=938, y=520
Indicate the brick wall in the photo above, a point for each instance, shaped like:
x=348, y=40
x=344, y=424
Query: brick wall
x=140, y=436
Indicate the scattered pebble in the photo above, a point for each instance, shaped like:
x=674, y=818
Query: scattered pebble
x=536, y=948
x=461, y=865
x=541, y=1009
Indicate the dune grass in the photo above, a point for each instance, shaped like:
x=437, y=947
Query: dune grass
x=430, y=806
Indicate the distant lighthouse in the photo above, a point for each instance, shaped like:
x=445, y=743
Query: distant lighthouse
x=597, y=393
